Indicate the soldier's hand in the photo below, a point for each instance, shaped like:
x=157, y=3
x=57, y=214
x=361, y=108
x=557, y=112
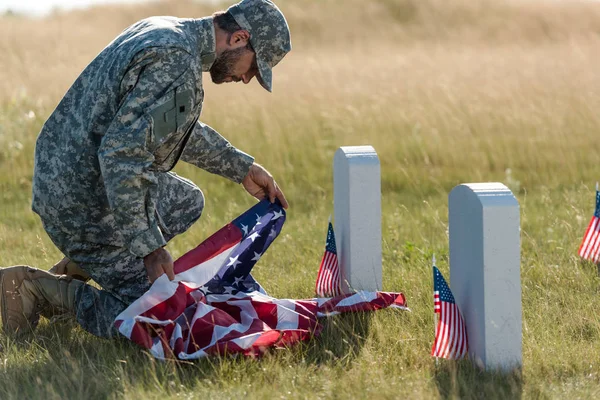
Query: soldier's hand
x=260, y=184
x=157, y=263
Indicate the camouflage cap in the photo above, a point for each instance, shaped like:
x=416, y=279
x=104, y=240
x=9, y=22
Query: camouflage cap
x=269, y=34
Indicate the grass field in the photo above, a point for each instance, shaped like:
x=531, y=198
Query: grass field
x=446, y=92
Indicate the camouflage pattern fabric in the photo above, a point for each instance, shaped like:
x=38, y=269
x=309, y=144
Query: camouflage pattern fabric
x=101, y=186
x=121, y=274
x=126, y=119
x=269, y=34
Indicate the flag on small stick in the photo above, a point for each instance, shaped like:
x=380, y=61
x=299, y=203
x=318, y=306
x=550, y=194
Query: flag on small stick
x=329, y=278
x=451, y=332
x=590, y=246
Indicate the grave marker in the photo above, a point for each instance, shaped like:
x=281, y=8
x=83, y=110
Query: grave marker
x=357, y=212
x=484, y=229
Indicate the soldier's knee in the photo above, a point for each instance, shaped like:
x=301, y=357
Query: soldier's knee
x=197, y=204
x=181, y=204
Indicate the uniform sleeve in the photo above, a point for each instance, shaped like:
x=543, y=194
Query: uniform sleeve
x=208, y=150
x=125, y=150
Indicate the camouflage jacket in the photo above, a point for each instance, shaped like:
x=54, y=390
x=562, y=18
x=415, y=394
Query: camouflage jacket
x=132, y=113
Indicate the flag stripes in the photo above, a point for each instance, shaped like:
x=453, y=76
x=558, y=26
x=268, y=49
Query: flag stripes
x=329, y=278
x=450, y=340
x=590, y=246
x=451, y=332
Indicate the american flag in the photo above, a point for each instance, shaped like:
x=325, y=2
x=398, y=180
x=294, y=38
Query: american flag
x=329, y=278
x=451, y=332
x=590, y=246
x=214, y=305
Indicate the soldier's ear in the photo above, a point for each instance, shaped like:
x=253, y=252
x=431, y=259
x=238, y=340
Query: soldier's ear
x=239, y=38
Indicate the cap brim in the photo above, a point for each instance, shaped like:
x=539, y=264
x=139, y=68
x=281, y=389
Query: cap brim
x=265, y=77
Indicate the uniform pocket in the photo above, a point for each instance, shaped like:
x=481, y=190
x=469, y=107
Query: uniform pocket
x=171, y=115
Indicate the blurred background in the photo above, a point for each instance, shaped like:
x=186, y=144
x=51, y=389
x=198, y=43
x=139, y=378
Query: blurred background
x=43, y=7
x=446, y=92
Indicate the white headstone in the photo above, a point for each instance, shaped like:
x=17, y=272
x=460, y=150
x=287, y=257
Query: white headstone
x=357, y=212
x=485, y=271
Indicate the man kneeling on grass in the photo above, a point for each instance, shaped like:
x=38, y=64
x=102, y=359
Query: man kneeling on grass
x=101, y=183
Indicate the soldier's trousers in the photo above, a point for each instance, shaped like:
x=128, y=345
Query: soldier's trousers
x=121, y=274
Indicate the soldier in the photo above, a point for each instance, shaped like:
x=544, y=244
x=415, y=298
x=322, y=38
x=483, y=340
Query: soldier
x=102, y=185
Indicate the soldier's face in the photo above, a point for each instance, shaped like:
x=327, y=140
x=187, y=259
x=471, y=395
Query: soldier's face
x=237, y=65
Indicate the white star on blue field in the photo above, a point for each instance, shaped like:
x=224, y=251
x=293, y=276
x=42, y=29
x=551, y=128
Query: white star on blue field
x=441, y=286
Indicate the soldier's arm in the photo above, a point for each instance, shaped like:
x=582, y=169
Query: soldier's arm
x=208, y=150
x=125, y=154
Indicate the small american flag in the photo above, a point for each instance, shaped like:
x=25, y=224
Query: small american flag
x=451, y=332
x=329, y=282
x=590, y=246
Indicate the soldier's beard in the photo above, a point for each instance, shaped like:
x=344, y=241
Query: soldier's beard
x=224, y=65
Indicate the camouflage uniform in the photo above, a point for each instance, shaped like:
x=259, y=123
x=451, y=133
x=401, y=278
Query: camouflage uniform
x=101, y=183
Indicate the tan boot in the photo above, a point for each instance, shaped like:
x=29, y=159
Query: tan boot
x=69, y=268
x=25, y=291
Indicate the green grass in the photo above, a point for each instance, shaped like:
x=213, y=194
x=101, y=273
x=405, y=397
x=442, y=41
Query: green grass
x=455, y=95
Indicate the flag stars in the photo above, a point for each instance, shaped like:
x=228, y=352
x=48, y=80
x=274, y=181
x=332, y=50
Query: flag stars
x=238, y=280
x=254, y=236
x=203, y=289
x=245, y=229
x=256, y=256
x=277, y=215
x=273, y=232
x=451, y=341
x=227, y=290
x=233, y=261
x=258, y=217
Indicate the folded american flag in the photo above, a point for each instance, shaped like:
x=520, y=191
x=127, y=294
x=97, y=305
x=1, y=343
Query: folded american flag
x=590, y=246
x=215, y=306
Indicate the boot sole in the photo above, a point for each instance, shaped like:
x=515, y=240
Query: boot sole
x=14, y=321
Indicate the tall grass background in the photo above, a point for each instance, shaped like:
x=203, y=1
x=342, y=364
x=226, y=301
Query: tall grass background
x=446, y=92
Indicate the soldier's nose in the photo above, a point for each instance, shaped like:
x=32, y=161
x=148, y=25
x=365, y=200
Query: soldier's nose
x=247, y=77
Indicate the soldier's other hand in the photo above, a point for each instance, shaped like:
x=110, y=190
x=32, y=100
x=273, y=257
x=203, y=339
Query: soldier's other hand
x=260, y=184
x=157, y=263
